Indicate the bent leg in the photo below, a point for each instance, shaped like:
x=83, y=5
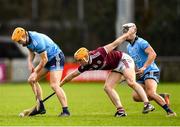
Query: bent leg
x=151, y=87
x=109, y=88
x=55, y=77
x=40, y=109
x=137, y=98
x=36, y=86
x=129, y=75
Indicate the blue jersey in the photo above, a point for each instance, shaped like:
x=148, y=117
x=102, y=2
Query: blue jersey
x=40, y=43
x=137, y=52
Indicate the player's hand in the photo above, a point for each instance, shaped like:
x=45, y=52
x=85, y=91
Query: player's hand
x=33, y=77
x=140, y=71
x=31, y=67
x=132, y=30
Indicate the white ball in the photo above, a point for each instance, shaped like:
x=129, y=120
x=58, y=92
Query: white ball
x=21, y=114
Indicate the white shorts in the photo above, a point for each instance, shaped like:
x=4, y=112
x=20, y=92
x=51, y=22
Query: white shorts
x=125, y=62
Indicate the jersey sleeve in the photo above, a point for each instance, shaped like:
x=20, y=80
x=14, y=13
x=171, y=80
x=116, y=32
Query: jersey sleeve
x=102, y=51
x=82, y=69
x=144, y=44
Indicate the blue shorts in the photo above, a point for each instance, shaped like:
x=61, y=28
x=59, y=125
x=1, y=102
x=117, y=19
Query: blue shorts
x=149, y=75
x=56, y=63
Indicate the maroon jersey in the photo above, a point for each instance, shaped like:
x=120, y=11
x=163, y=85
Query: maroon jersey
x=99, y=59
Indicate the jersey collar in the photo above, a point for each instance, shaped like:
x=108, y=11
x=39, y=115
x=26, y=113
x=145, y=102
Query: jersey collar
x=28, y=39
x=132, y=43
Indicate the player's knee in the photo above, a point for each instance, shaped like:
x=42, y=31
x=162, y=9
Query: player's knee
x=54, y=86
x=131, y=82
x=136, y=98
x=151, y=94
x=30, y=81
x=107, y=88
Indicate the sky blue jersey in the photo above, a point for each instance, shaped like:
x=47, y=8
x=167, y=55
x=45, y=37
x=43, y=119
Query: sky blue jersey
x=137, y=52
x=40, y=42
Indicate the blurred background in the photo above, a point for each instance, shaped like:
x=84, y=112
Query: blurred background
x=90, y=23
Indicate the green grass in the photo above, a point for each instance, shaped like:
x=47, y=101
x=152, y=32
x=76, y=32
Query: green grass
x=89, y=106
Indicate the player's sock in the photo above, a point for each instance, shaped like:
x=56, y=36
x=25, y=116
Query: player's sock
x=41, y=104
x=65, y=110
x=120, y=112
x=166, y=97
x=166, y=108
x=120, y=109
x=146, y=103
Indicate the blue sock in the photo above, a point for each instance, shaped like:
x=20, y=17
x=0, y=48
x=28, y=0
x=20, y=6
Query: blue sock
x=65, y=110
x=41, y=105
x=166, y=108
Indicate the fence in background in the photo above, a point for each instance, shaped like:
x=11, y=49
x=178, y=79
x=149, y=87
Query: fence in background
x=170, y=68
x=16, y=71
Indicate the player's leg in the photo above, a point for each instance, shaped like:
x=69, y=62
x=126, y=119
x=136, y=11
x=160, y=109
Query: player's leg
x=127, y=67
x=166, y=97
x=151, y=88
x=109, y=87
x=35, y=85
x=129, y=74
x=141, y=81
x=55, y=67
x=136, y=97
x=55, y=77
x=40, y=109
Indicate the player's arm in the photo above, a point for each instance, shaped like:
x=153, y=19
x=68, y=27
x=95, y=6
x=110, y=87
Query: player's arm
x=151, y=56
x=42, y=63
x=70, y=76
x=31, y=56
x=119, y=40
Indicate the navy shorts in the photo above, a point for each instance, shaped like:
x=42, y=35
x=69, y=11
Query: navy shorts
x=149, y=75
x=56, y=63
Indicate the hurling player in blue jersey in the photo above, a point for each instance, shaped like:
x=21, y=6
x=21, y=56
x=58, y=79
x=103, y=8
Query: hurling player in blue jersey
x=147, y=71
x=51, y=60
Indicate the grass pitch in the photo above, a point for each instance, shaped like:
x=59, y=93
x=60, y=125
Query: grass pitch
x=88, y=104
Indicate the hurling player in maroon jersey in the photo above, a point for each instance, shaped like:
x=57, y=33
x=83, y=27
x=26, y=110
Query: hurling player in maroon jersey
x=120, y=64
